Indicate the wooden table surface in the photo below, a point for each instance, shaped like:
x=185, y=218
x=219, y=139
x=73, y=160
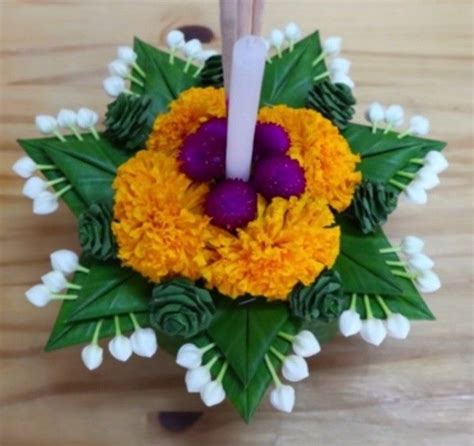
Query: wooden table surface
x=416, y=392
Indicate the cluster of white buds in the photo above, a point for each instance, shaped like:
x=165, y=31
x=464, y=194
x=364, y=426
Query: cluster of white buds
x=424, y=179
x=142, y=342
x=192, y=50
x=338, y=66
x=84, y=118
x=372, y=329
x=198, y=377
x=35, y=188
x=120, y=70
x=294, y=367
x=278, y=38
x=63, y=262
x=417, y=265
x=393, y=116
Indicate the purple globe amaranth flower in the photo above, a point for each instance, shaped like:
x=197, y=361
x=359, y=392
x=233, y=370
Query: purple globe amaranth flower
x=202, y=156
x=279, y=176
x=270, y=140
x=231, y=204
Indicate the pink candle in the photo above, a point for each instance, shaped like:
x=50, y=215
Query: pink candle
x=248, y=64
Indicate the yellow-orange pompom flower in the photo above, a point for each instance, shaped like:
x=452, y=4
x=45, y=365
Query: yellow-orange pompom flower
x=159, y=223
x=290, y=241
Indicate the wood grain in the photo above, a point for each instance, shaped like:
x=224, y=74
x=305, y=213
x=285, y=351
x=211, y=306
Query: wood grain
x=417, y=392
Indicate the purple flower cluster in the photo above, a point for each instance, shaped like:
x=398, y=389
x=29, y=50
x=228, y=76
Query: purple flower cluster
x=233, y=203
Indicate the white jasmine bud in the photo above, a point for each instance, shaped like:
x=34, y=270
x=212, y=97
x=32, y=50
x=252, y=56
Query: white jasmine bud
x=277, y=39
x=420, y=262
x=192, y=48
x=92, y=354
x=34, y=186
x=175, y=39
x=292, y=34
x=119, y=68
x=305, y=344
x=143, y=340
x=65, y=261
x=398, y=326
x=373, y=331
x=189, y=356
x=24, y=167
x=197, y=378
x=428, y=281
x=282, y=398
x=39, y=295
x=412, y=245
x=46, y=124
x=66, y=118
x=212, y=393
x=375, y=114
x=120, y=348
x=340, y=65
x=87, y=118
x=419, y=126
x=436, y=161
x=427, y=178
x=55, y=281
x=349, y=323
x=295, y=368
x=416, y=193
x=332, y=46
x=126, y=54
x=114, y=85
x=45, y=203
x=394, y=117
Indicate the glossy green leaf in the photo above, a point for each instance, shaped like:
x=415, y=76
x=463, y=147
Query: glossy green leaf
x=164, y=81
x=244, y=331
x=90, y=167
x=289, y=79
x=363, y=270
x=384, y=155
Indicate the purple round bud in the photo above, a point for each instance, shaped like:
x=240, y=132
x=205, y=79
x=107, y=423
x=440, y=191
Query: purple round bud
x=270, y=140
x=231, y=204
x=279, y=176
x=202, y=156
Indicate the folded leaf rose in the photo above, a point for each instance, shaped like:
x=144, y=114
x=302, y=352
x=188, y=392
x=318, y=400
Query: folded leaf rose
x=180, y=308
x=95, y=233
x=323, y=300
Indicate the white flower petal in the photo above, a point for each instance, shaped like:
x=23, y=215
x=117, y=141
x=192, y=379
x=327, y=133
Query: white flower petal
x=427, y=178
x=144, y=342
x=398, y=326
x=87, y=118
x=118, y=68
x=92, y=356
x=305, y=344
x=39, y=295
x=64, y=260
x=428, y=281
x=114, y=85
x=436, y=161
x=295, y=368
x=394, y=115
x=416, y=193
x=126, y=54
x=212, y=393
x=373, y=331
x=196, y=378
x=419, y=126
x=34, y=186
x=420, y=262
x=45, y=203
x=412, y=245
x=189, y=356
x=332, y=45
x=175, y=39
x=292, y=32
x=66, y=118
x=375, y=112
x=55, y=281
x=24, y=167
x=120, y=348
x=283, y=398
x=349, y=323
x=192, y=48
x=277, y=38
x=46, y=124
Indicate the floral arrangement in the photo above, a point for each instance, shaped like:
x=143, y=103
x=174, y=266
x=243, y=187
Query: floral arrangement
x=240, y=276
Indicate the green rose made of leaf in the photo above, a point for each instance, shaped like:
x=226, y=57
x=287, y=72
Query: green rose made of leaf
x=95, y=232
x=180, y=308
x=323, y=300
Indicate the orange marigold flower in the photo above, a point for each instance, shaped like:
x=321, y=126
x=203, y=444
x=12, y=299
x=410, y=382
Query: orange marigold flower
x=324, y=154
x=290, y=241
x=159, y=223
x=193, y=107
